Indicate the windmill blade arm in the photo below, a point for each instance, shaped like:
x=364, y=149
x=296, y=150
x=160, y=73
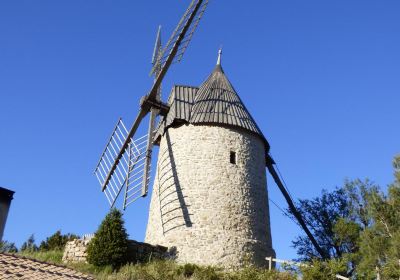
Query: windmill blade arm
x=148, y=104
x=157, y=47
x=293, y=209
x=186, y=42
x=174, y=50
x=139, y=118
x=149, y=151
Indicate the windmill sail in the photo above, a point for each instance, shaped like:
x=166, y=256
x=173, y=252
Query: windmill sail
x=136, y=175
x=194, y=13
x=179, y=40
x=122, y=175
x=153, y=115
x=111, y=175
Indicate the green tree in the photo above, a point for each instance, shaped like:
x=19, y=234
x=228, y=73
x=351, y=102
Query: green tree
x=380, y=242
x=335, y=219
x=7, y=247
x=109, y=246
x=396, y=166
x=359, y=226
x=56, y=241
x=320, y=215
x=29, y=245
x=324, y=270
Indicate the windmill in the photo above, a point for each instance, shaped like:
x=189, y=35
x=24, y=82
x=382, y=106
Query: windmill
x=212, y=209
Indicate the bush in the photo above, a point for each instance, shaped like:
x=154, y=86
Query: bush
x=169, y=270
x=109, y=245
x=187, y=270
x=324, y=270
x=57, y=241
x=154, y=270
x=29, y=245
x=7, y=247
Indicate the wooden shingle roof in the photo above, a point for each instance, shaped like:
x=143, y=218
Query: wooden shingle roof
x=17, y=267
x=215, y=103
x=180, y=104
x=181, y=101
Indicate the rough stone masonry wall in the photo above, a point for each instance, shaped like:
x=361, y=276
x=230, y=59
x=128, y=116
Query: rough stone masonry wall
x=75, y=251
x=212, y=211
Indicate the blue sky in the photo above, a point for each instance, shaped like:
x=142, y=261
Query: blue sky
x=321, y=78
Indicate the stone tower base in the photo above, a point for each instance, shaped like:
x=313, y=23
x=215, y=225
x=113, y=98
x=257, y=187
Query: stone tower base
x=210, y=197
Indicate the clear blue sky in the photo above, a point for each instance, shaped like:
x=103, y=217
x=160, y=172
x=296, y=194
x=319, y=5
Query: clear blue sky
x=321, y=78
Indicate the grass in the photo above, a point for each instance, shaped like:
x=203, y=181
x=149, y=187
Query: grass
x=54, y=257
x=161, y=270
x=169, y=270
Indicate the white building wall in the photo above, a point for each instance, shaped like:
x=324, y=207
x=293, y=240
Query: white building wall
x=214, y=212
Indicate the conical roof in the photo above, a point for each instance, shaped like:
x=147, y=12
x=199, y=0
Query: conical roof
x=217, y=102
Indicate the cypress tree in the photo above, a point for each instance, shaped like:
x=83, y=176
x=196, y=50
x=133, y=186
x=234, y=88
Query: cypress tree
x=109, y=246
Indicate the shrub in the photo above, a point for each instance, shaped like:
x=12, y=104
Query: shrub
x=170, y=270
x=187, y=270
x=29, y=245
x=154, y=270
x=208, y=273
x=56, y=241
x=324, y=270
x=109, y=245
x=7, y=247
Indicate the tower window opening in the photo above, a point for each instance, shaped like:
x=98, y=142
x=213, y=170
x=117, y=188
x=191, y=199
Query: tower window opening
x=233, y=157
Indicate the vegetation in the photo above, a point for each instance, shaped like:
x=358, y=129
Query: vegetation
x=110, y=243
x=56, y=241
x=29, y=245
x=160, y=270
x=53, y=256
x=319, y=270
x=321, y=214
x=169, y=270
x=7, y=247
x=358, y=225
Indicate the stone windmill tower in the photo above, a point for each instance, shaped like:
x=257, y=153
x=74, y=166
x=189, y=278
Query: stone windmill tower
x=209, y=197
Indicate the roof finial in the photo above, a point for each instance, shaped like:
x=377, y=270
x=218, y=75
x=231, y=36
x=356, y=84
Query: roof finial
x=219, y=56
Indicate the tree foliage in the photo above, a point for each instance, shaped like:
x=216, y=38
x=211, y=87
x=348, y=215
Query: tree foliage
x=359, y=226
x=324, y=270
x=110, y=243
x=335, y=219
x=29, y=245
x=380, y=242
x=7, y=247
x=56, y=241
x=396, y=166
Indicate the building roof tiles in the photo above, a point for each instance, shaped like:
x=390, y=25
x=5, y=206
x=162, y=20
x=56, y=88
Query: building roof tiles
x=18, y=267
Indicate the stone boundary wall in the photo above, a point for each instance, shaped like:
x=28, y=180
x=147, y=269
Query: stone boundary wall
x=75, y=251
x=144, y=252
